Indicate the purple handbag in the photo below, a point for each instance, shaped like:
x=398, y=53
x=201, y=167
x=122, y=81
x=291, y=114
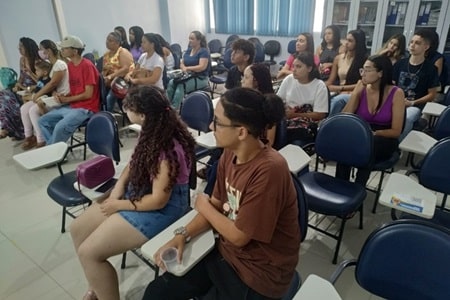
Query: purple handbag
x=95, y=171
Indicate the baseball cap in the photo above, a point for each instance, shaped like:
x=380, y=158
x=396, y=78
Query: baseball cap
x=71, y=41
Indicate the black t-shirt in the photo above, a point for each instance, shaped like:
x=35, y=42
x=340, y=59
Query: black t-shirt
x=415, y=80
x=233, y=78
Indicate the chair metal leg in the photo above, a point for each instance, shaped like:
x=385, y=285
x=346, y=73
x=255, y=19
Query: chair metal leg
x=339, y=240
x=124, y=260
x=444, y=201
x=361, y=209
x=63, y=223
x=377, y=193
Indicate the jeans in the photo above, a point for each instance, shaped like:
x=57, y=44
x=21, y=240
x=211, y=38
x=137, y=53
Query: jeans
x=338, y=103
x=176, y=91
x=59, y=124
x=111, y=101
x=412, y=115
x=211, y=278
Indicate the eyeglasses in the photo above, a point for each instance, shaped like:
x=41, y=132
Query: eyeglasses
x=362, y=70
x=217, y=123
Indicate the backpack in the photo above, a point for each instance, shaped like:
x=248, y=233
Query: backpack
x=8, y=78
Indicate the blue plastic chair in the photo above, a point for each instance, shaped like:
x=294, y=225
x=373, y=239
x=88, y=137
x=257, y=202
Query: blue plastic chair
x=405, y=259
x=102, y=137
x=347, y=139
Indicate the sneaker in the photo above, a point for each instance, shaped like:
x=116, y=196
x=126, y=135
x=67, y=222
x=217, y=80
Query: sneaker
x=40, y=144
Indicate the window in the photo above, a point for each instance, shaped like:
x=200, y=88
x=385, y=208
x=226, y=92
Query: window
x=262, y=17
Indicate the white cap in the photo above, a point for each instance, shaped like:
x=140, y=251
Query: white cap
x=71, y=41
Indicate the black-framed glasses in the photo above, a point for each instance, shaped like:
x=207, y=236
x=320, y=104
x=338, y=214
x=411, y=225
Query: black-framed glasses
x=217, y=123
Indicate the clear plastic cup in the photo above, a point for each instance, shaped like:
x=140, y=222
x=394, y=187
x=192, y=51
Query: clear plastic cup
x=169, y=258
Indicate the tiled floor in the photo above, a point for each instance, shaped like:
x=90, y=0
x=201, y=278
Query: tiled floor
x=38, y=262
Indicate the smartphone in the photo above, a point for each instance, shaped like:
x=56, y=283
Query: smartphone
x=106, y=186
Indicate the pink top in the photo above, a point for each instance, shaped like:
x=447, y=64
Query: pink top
x=291, y=58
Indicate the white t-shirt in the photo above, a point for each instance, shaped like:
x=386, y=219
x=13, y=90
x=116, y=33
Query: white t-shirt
x=295, y=93
x=170, y=62
x=151, y=63
x=63, y=86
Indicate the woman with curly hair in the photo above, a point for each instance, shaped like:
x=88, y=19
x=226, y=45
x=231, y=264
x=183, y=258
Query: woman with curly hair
x=151, y=193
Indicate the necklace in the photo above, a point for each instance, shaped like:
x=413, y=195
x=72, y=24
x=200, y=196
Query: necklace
x=417, y=72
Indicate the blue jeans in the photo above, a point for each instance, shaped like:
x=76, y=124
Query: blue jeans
x=59, y=124
x=338, y=103
x=176, y=91
x=412, y=115
x=111, y=100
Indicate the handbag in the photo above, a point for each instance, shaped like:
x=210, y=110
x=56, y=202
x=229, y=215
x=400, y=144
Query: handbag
x=95, y=171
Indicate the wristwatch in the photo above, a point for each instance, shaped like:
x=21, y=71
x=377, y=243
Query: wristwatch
x=182, y=231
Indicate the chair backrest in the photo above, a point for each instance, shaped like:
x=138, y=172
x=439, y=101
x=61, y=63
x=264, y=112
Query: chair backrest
x=230, y=40
x=254, y=40
x=272, y=48
x=446, y=99
x=215, y=46
x=345, y=138
x=280, y=135
x=442, y=127
x=197, y=111
x=90, y=56
x=102, y=135
x=406, y=259
x=292, y=46
x=302, y=207
x=259, y=53
x=176, y=49
x=227, y=59
x=434, y=172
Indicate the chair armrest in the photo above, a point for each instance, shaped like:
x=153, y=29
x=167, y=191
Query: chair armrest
x=342, y=266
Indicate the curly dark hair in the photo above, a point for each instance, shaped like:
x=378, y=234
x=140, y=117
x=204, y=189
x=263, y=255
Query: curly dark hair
x=162, y=126
x=31, y=51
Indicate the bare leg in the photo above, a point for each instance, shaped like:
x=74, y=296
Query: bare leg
x=113, y=236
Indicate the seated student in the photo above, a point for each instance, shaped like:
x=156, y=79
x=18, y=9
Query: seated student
x=59, y=83
x=417, y=77
x=150, y=66
x=305, y=44
x=438, y=60
x=253, y=209
x=169, y=60
x=241, y=56
x=60, y=123
x=135, y=35
x=394, y=48
x=123, y=37
x=150, y=194
x=117, y=61
x=328, y=50
x=306, y=99
x=42, y=71
x=381, y=104
x=345, y=69
x=195, y=61
x=256, y=76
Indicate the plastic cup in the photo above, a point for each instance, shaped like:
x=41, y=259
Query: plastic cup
x=169, y=258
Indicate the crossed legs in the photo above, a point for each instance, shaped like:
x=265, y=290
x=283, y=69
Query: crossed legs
x=96, y=238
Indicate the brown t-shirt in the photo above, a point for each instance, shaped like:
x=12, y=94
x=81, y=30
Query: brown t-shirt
x=263, y=204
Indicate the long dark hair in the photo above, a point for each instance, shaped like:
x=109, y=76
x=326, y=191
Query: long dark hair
x=382, y=63
x=252, y=109
x=336, y=37
x=138, y=33
x=31, y=51
x=161, y=127
x=123, y=35
x=360, y=56
x=308, y=59
x=200, y=36
x=309, y=41
x=152, y=38
x=50, y=45
x=261, y=73
x=162, y=41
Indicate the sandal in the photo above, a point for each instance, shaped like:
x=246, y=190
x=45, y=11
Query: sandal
x=30, y=142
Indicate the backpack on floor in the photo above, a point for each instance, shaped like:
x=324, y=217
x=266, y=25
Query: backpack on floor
x=8, y=78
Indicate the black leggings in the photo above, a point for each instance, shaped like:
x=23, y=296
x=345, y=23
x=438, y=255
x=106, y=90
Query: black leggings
x=383, y=148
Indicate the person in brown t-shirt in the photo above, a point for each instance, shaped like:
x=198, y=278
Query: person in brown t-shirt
x=253, y=208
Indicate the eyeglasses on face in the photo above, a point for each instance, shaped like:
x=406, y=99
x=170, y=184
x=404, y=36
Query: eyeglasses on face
x=217, y=123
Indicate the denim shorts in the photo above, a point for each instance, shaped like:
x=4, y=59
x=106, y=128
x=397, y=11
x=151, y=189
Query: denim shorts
x=150, y=223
